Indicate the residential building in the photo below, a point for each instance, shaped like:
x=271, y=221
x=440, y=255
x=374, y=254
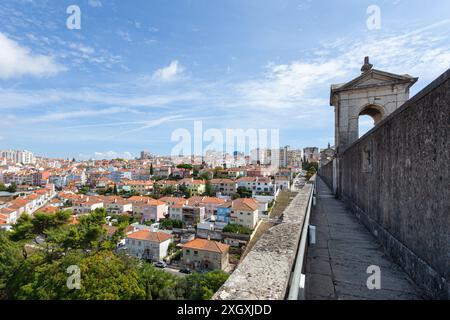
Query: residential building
x=244, y=212
x=148, y=209
x=86, y=204
x=224, y=212
x=282, y=183
x=191, y=215
x=257, y=185
x=202, y=254
x=226, y=187
x=18, y=156
x=145, y=244
x=136, y=186
x=311, y=154
x=118, y=205
x=195, y=187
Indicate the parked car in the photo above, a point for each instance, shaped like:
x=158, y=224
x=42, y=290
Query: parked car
x=160, y=264
x=186, y=271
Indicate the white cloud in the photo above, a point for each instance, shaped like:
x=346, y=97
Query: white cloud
x=17, y=61
x=169, y=73
x=59, y=116
x=106, y=155
x=85, y=50
x=124, y=35
x=424, y=52
x=95, y=3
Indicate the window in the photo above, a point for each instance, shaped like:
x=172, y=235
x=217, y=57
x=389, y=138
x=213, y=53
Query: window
x=195, y=252
x=367, y=158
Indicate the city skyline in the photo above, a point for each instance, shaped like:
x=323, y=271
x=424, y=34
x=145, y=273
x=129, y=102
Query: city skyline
x=132, y=75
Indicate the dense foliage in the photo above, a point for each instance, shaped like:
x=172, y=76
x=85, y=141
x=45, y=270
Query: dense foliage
x=243, y=192
x=311, y=169
x=31, y=269
x=169, y=224
x=12, y=187
x=237, y=228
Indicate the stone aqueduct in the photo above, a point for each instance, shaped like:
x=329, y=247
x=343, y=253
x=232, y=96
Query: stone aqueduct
x=396, y=177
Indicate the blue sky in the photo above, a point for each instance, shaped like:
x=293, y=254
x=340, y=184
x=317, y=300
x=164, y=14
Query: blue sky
x=138, y=70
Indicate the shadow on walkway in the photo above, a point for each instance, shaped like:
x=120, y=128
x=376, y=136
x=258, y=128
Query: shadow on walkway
x=337, y=264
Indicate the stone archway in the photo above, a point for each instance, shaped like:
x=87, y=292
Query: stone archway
x=374, y=93
x=369, y=112
x=376, y=112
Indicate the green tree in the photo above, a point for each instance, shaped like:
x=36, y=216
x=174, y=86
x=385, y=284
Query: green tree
x=244, y=192
x=185, y=166
x=23, y=229
x=156, y=284
x=209, y=189
x=44, y=221
x=169, y=224
x=151, y=169
x=200, y=286
x=106, y=276
x=10, y=260
x=12, y=188
x=237, y=228
x=167, y=191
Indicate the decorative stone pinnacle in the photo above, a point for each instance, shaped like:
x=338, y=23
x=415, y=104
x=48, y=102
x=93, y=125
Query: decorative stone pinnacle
x=367, y=65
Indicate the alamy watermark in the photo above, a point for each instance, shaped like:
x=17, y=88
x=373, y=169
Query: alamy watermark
x=374, y=280
x=374, y=20
x=225, y=141
x=74, y=280
x=73, y=22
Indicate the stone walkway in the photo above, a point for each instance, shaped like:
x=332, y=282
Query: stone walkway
x=337, y=264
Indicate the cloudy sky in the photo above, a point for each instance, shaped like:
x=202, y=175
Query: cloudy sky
x=138, y=70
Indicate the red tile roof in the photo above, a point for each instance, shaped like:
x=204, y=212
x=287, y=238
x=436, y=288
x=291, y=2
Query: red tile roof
x=206, y=245
x=148, y=235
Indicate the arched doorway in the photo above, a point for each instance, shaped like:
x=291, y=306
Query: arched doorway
x=369, y=117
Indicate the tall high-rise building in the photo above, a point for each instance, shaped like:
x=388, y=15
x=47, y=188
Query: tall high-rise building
x=18, y=156
x=311, y=154
x=146, y=155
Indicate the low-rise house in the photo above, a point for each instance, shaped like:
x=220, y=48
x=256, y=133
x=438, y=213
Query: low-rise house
x=117, y=205
x=195, y=187
x=202, y=254
x=226, y=187
x=148, y=209
x=282, y=183
x=209, y=203
x=120, y=175
x=211, y=230
x=86, y=204
x=162, y=171
x=8, y=216
x=138, y=187
x=191, y=215
x=259, y=171
x=176, y=210
x=236, y=172
x=224, y=212
x=163, y=184
x=145, y=244
x=244, y=212
x=257, y=185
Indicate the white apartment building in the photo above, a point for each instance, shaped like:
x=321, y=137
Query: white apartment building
x=18, y=156
x=145, y=244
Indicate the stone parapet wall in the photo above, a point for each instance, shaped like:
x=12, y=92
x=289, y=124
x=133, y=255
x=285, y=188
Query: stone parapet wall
x=265, y=272
x=396, y=179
